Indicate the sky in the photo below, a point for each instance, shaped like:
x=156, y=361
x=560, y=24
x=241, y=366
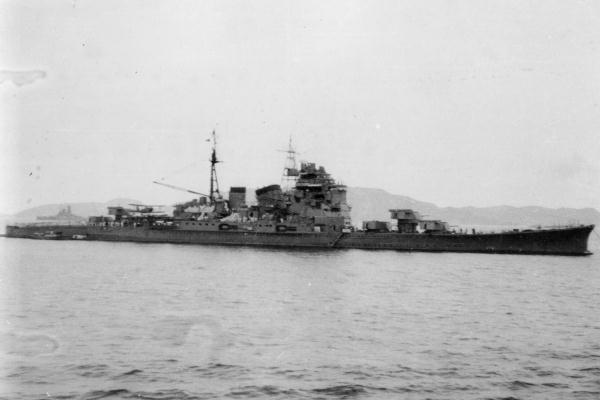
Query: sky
x=457, y=103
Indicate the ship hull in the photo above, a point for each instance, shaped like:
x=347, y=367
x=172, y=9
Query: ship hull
x=563, y=241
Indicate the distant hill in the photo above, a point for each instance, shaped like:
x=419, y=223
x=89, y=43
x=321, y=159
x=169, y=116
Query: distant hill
x=370, y=204
x=82, y=209
x=374, y=204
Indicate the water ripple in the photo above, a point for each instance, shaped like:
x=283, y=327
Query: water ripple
x=165, y=322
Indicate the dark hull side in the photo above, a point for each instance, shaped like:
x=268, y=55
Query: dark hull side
x=563, y=241
x=566, y=241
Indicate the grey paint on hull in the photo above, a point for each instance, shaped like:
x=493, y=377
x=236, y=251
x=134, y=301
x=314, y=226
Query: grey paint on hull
x=565, y=241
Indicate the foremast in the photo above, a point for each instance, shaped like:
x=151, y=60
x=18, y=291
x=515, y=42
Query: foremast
x=214, y=182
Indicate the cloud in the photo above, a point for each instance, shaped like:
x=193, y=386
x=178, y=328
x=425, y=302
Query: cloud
x=20, y=78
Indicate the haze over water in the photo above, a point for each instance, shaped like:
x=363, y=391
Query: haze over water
x=95, y=320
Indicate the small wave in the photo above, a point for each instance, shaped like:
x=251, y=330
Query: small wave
x=359, y=374
x=569, y=356
x=595, y=370
x=503, y=398
x=91, y=370
x=255, y=391
x=445, y=372
x=213, y=366
x=556, y=385
x=22, y=370
x=87, y=366
x=35, y=382
x=219, y=370
x=101, y=394
x=346, y=391
x=586, y=392
x=539, y=372
x=342, y=390
x=459, y=387
x=132, y=372
x=576, y=376
x=520, y=384
x=408, y=389
x=219, y=365
x=290, y=373
x=173, y=394
x=486, y=374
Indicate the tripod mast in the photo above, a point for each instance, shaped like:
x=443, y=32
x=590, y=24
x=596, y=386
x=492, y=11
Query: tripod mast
x=214, y=183
x=290, y=172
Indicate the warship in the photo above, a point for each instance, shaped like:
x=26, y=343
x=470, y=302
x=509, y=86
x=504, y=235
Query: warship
x=64, y=214
x=311, y=212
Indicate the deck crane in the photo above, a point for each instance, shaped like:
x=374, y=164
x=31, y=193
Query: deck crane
x=180, y=188
x=214, y=183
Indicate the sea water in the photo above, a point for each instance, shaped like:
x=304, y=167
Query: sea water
x=92, y=320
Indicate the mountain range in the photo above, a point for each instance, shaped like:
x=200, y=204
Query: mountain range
x=374, y=204
x=369, y=204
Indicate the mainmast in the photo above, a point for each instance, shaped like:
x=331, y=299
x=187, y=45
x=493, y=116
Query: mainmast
x=290, y=172
x=214, y=183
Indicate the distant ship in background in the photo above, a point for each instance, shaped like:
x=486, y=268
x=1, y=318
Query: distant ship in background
x=309, y=211
x=64, y=215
